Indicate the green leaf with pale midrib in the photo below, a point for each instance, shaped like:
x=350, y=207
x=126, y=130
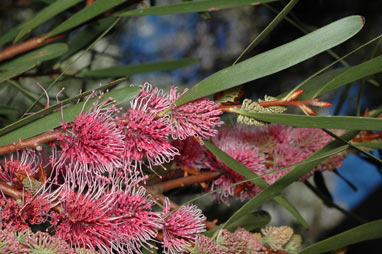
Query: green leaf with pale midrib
x=44, y=15
x=249, y=174
x=53, y=120
x=367, y=231
x=322, y=122
x=190, y=7
x=276, y=59
x=120, y=71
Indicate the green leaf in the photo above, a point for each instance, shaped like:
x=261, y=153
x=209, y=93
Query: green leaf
x=276, y=59
x=53, y=120
x=96, y=8
x=367, y=231
x=190, y=7
x=121, y=71
x=87, y=36
x=352, y=74
x=249, y=222
x=8, y=36
x=315, y=84
x=303, y=168
x=37, y=56
x=371, y=144
x=44, y=15
x=249, y=174
x=46, y=111
x=15, y=71
x=327, y=122
x=6, y=110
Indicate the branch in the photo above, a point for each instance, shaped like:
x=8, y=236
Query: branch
x=180, y=182
x=36, y=42
x=30, y=142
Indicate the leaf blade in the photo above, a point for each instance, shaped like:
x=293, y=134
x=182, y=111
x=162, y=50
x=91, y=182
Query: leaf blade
x=190, y=7
x=276, y=59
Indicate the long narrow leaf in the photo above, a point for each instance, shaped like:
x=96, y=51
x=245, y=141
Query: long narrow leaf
x=367, y=231
x=276, y=59
x=45, y=14
x=322, y=122
x=190, y=7
x=89, y=12
x=121, y=71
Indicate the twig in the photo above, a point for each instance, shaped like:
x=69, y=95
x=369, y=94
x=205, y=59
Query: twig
x=36, y=42
x=30, y=142
x=180, y=182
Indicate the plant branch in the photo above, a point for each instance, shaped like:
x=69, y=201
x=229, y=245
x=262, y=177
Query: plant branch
x=180, y=182
x=20, y=48
x=30, y=142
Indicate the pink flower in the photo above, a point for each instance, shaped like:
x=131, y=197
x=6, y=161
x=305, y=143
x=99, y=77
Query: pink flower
x=41, y=242
x=16, y=215
x=106, y=218
x=10, y=244
x=146, y=136
x=151, y=99
x=191, y=153
x=92, y=144
x=19, y=166
x=241, y=150
x=181, y=228
x=198, y=118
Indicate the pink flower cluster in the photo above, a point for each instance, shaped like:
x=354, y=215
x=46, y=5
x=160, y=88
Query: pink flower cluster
x=99, y=141
x=264, y=150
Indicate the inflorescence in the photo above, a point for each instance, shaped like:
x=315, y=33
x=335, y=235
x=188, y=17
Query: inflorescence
x=86, y=188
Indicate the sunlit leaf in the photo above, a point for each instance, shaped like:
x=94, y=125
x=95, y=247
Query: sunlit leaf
x=276, y=59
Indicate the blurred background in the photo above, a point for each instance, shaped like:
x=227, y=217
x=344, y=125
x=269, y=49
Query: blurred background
x=217, y=39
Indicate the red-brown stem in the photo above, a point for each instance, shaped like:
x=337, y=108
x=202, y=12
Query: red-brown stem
x=36, y=42
x=30, y=142
x=11, y=191
x=180, y=182
x=89, y=2
x=171, y=174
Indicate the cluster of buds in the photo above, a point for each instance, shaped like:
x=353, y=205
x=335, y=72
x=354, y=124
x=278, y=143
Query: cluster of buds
x=271, y=240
